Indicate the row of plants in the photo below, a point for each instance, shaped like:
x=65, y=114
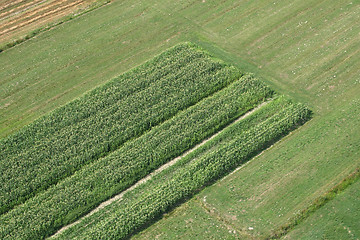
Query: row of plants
x=225, y=136
x=124, y=217
x=76, y=195
x=57, y=145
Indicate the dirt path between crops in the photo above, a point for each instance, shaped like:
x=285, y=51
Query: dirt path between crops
x=157, y=171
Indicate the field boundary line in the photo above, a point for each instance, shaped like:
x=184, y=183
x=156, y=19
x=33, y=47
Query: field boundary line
x=157, y=171
x=318, y=203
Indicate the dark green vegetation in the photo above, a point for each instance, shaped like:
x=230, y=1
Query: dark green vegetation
x=306, y=49
x=63, y=203
x=80, y=132
x=232, y=147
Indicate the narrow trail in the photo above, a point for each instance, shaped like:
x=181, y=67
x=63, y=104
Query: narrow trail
x=157, y=171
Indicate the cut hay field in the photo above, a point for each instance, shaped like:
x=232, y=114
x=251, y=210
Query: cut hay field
x=20, y=17
x=307, y=50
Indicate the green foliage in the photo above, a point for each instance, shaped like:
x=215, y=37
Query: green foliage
x=57, y=145
x=41, y=215
x=244, y=140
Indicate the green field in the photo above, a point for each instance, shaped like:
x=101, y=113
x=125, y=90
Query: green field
x=57, y=145
x=234, y=146
x=337, y=220
x=105, y=141
x=279, y=183
x=307, y=50
x=71, y=198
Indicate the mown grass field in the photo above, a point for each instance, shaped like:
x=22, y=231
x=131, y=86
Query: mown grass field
x=307, y=50
x=337, y=220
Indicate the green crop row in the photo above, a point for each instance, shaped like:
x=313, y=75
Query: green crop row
x=224, y=137
x=61, y=204
x=59, y=144
x=122, y=218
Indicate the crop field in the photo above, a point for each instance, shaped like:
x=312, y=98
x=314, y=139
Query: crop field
x=86, y=119
x=151, y=114
x=107, y=140
x=58, y=144
x=19, y=17
x=232, y=147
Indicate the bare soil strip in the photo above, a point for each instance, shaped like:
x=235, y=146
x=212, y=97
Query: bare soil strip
x=32, y=16
x=37, y=10
x=157, y=171
x=20, y=9
x=10, y=4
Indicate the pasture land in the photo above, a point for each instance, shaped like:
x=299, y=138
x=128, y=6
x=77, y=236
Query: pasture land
x=307, y=50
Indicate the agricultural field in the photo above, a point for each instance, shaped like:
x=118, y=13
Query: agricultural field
x=60, y=87
x=337, y=220
x=105, y=141
x=55, y=146
x=20, y=17
x=234, y=146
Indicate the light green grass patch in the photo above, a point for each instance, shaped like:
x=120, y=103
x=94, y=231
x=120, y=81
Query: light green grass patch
x=338, y=219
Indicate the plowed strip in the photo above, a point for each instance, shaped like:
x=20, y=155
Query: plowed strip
x=39, y=17
x=20, y=17
x=11, y=4
x=21, y=8
x=40, y=11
